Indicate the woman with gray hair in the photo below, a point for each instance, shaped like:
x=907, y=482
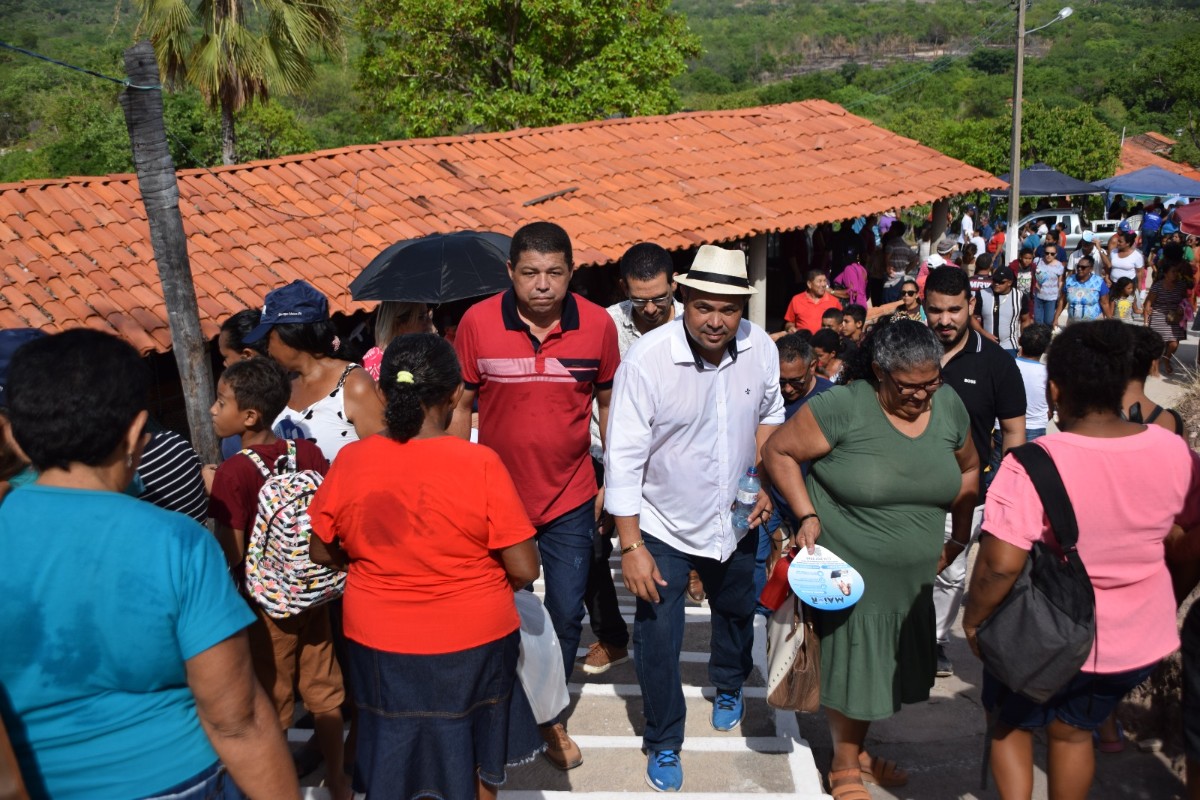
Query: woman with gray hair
x=889, y=456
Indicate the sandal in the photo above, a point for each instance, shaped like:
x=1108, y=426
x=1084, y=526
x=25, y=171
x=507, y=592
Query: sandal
x=846, y=784
x=881, y=771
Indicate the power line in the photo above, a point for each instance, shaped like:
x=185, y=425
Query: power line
x=120, y=81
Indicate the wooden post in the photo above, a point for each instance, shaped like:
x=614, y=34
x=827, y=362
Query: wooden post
x=758, y=279
x=160, y=195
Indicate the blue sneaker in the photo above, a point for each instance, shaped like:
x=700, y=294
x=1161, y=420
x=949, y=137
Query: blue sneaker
x=664, y=773
x=728, y=710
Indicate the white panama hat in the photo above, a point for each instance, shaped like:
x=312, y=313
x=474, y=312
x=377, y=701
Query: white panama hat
x=718, y=271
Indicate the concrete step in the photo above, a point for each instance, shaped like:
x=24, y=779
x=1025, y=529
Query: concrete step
x=622, y=770
x=615, y=710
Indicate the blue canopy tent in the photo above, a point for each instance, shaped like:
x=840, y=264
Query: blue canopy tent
x=1150, y=182
x=1041, y=180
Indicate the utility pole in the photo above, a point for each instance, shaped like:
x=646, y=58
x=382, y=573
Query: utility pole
x=1012, y=235
x=160, y=195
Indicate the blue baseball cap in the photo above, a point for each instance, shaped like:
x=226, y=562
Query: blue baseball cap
x=298, y=302
x=11, y=340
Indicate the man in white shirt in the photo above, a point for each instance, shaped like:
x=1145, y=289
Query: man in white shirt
x=968, y=225
x=648, y=281
x=1087, y=249
x=693, y=403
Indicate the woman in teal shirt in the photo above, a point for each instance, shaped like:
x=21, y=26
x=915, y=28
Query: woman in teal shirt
x=125, y=666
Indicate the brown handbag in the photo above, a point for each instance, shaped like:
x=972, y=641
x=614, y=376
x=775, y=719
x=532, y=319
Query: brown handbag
x=793, y=658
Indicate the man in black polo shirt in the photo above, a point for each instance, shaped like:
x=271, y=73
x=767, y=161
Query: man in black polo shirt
x=989, y=383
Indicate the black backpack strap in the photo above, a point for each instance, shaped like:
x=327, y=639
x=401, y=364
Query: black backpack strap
x=1048, y=482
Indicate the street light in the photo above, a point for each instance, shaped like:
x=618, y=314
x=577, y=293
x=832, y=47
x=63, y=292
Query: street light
x=1014, y=187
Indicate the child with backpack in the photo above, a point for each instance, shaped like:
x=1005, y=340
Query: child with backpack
x=260, y=493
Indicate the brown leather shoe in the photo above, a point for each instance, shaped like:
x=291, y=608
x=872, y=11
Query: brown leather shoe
x=560, y=750
x=695, y=589
x=601, y=656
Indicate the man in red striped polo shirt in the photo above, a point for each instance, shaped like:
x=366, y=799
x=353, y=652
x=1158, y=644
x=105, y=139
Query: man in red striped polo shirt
x=535, y=356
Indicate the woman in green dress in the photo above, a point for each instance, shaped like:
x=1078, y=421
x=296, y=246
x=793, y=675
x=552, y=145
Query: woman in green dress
x=890, y=455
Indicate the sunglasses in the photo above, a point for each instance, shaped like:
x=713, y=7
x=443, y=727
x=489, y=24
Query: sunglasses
x=909, y=389
x=909, y=293
x=642, y=302
x=795, y=383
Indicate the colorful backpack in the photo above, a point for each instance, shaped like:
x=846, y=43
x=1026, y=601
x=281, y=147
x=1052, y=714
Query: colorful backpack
x=279, y=574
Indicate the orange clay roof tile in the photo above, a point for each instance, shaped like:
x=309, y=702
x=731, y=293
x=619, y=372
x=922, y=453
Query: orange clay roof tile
x=680, y=180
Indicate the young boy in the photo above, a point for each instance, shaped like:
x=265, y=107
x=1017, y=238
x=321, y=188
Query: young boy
x=299, y=649
x=1032, y=345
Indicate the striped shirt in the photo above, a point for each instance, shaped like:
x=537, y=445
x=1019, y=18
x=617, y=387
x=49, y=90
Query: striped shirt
x=170, y=470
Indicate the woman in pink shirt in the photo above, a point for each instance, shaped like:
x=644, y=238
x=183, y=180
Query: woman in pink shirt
x=1129, y=484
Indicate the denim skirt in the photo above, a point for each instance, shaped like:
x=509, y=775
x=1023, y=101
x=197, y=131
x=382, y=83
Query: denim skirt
x=428, y=724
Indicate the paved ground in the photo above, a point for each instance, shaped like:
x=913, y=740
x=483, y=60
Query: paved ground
x=778, y=755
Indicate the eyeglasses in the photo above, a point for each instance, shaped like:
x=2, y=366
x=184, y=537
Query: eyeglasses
x=909, y=389
x=909, y=294
x=642, y=302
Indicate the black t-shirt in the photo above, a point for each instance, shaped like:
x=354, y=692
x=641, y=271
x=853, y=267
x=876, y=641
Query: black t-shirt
x=989, y=383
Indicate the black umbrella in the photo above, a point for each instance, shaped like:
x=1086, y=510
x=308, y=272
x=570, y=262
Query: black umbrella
x=437, y=269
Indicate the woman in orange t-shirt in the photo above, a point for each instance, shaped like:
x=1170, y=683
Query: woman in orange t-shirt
x=436, y=540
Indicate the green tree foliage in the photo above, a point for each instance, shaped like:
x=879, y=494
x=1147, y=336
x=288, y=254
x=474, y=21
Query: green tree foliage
x=441, y=66
x=238, y=52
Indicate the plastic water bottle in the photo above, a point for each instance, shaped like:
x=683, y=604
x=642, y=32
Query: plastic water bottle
x=747, y=498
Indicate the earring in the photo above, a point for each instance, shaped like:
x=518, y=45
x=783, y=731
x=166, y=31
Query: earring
x=129, y=461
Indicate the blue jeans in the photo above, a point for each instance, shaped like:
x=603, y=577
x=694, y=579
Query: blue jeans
x=565, y=546
x=1034, y=433
x=213, y=783
x=1043, y=311
x=658, y=633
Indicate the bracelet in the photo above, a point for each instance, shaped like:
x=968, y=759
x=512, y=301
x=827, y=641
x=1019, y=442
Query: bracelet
x=800, y=521
x=633, y=546
x=963, y=545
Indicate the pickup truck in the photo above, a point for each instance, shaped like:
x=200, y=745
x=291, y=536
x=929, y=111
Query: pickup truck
x=1072, y=217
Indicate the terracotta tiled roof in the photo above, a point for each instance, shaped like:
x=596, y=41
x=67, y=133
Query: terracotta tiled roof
x=77, y=251
x=1152, y=149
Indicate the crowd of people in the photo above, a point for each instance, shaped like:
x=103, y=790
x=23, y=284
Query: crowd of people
x=436, y=477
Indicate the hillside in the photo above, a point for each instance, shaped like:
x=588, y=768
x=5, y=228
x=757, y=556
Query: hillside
x=939, y=70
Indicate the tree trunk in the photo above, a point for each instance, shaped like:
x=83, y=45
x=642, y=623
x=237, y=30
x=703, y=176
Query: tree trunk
x=160, y=195
x=228, y=136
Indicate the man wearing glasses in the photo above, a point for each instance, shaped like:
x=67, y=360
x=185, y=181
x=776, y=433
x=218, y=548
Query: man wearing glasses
x=989, y=383
x=648, y=281
x=1002, y=311
x=798, y=383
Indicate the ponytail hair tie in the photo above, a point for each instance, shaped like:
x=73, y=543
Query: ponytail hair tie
x=404, y=376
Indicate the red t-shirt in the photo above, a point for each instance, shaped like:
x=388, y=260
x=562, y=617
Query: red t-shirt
x=420, y=521
x=234, y=498
x=805, y=313
x=535, y=398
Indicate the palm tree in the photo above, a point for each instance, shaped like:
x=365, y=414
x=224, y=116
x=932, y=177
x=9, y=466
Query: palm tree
x=241, y=50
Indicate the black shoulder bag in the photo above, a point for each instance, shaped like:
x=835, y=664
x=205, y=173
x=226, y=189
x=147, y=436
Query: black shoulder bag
x=1039, y=637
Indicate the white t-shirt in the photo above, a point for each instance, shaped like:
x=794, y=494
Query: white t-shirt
x=1126, y=266
x=980, y=244
x=1037, y=408
x=968, y=228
